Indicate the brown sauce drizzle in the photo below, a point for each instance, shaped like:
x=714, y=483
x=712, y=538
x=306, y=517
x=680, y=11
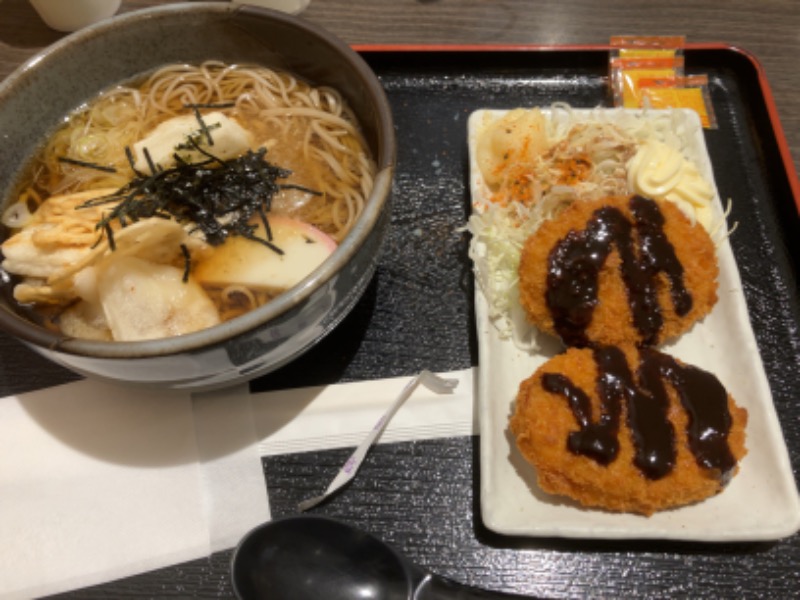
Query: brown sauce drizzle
x=576, y=260
x=701, y=394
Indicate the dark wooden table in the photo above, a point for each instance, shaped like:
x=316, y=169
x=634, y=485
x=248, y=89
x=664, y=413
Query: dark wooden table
x=423, y=496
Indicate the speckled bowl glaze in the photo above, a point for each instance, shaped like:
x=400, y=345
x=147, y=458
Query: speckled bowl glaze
x=36, y=97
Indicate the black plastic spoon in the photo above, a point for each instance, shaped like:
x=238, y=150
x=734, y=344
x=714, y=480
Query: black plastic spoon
x=307, y=557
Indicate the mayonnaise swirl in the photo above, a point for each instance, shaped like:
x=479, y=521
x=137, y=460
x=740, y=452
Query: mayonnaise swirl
x=662, y=172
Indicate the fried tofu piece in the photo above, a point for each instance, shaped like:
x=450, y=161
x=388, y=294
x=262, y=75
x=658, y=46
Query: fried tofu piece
x=58, y=235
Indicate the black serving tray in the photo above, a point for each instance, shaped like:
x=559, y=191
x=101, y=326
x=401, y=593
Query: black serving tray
x=418, y=313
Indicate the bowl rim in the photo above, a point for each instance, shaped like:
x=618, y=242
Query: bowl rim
x=217, y=335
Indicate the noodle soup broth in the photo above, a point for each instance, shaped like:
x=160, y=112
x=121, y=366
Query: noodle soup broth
x=184, y=199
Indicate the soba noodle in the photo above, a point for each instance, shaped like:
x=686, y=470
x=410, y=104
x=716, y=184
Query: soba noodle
x=308, y=132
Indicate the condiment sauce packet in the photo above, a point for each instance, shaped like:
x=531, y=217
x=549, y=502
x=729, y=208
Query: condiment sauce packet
x=648, y=72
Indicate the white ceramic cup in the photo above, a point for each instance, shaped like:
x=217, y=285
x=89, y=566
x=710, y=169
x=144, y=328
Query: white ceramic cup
x=71, y=15
x=294, y=7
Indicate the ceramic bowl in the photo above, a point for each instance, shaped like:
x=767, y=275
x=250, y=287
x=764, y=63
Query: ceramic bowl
x=36, y=97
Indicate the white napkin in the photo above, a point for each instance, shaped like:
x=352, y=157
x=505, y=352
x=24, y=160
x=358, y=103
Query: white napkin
x=232, y=468
x=99, y=482
x=341, y=415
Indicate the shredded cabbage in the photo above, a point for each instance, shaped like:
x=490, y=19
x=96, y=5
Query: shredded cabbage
x=498, y=233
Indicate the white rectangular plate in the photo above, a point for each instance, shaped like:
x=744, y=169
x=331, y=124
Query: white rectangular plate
x=761, y=502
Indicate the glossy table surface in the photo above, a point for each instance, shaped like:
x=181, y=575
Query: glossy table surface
x=428, y=504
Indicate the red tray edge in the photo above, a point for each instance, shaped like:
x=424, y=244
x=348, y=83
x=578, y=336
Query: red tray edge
x=766, y=90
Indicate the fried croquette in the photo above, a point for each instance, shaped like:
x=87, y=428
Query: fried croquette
x=610, y=428
x=618, y=270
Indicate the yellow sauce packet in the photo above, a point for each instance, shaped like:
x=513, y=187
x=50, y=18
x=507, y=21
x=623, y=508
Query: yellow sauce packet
x=647, y=53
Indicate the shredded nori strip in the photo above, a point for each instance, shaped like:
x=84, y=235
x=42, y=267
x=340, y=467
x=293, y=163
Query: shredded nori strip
x=191, y=142
x=187, y=262
x=132, y=160
x=218, y=196
x=210, y=105
x=150, y=164
x=110, y=234
x=88, y=165
x=203, y=127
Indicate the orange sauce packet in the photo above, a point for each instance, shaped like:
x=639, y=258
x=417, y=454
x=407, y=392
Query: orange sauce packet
x=627, y=74
x=642, y=43
x=648, y=71
x=687, y=92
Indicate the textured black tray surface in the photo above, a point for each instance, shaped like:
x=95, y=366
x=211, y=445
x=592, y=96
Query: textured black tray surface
x=417, y=313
